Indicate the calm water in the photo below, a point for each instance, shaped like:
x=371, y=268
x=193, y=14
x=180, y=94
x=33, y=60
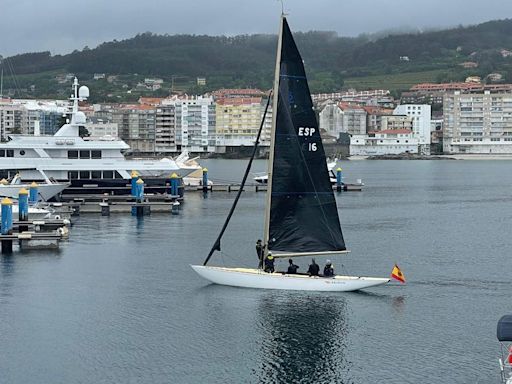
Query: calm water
x=119, y=303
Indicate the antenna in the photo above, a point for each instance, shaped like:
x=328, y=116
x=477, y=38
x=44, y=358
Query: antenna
x=282, y=7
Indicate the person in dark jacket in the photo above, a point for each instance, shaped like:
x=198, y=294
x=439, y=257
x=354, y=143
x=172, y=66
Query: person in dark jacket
x=269, y=263
x=314, y=269
x=328, y=269
x=292, y=268
x=259, y=252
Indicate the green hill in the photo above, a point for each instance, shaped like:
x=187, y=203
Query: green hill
x=248, y=60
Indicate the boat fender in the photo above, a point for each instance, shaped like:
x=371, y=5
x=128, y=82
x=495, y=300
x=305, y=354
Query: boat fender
x=66, y=222
x=509, y=358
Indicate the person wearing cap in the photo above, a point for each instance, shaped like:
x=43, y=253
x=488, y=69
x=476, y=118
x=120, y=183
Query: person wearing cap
x=314, y=269
x=259, y=252
x=292, y=268
x=269, y=263
x=328, y=269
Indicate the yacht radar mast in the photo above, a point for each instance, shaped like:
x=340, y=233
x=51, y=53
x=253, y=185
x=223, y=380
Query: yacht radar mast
x=77, y=118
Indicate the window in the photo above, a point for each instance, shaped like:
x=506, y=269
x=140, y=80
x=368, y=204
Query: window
x=10, y=153
x=108, y=174
x=95, y=154
x=72, y=154
x=22, y=152
x=85, y=175
x=72, y=175
x=95, y=174
x=85, y=154
x=2, y=152
x=118, y=176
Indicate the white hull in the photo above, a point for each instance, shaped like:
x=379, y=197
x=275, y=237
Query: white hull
x=45, y=191
x=255, y=278
x=33, y=213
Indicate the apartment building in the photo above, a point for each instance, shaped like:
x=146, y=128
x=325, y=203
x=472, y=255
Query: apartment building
x=477, y=123
x=195, y=123
x=136, y=126
x=237, y=121
x=353, y=119
x=421, y=119
x=331, y=120
x=165, y=134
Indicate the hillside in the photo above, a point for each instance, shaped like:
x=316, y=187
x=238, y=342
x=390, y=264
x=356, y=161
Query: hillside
x=247, y=61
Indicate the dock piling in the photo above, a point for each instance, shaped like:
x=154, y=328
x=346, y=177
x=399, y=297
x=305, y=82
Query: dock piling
x=23, y=209
x=6, y=228
x=33, y=193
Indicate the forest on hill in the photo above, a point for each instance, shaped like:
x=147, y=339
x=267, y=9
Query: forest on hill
x=248, y=61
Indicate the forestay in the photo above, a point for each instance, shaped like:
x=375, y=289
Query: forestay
x=303, y=212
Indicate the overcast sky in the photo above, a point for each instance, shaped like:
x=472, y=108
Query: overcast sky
x=61, y=26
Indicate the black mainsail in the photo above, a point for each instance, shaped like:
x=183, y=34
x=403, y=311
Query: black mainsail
x=301, y=212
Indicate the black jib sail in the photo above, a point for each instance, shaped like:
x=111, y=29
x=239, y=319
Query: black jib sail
x=303, y=212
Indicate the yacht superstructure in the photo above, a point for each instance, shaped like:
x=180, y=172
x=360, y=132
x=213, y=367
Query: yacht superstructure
x=90, y=166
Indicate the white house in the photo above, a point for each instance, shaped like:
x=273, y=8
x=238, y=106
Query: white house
x=421, y=119
x=387, y=142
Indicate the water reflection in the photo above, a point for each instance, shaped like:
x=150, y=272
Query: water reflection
x=304, y=339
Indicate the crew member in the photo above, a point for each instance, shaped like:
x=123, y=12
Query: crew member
x=292, y=268
x=269, y=263
x=328, y=269
x=259, y=252
x=314, y=269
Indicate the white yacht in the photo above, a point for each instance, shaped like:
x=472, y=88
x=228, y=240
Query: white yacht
x=90, y=166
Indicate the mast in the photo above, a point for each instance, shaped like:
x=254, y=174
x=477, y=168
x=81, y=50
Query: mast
x=1, y=77
x=270, y=166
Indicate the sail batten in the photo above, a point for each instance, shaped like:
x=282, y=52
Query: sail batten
x=302, y=212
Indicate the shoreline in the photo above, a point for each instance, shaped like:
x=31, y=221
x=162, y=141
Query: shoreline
x=434, y=157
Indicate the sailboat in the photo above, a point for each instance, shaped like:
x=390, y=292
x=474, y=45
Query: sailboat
x=301, y=218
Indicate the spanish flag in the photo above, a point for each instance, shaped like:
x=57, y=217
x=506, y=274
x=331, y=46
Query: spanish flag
x=397, y=274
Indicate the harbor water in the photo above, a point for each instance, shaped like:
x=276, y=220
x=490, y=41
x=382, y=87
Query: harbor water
x=118, y=303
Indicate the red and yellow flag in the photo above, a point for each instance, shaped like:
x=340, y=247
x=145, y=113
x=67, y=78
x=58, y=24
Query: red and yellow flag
x=397, y=274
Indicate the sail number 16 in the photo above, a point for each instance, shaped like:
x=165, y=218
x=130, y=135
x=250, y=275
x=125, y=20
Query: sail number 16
x=307, y=131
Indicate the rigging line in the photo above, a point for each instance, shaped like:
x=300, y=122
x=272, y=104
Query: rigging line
x=216, y=245
x=13, y=75
x=320, y=205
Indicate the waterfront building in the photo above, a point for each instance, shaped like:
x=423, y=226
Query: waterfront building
x=385, y=142
x=331, y=120
x=226, y=93
x=374, y=117
x=165, y=134
x=477, y=123
x=195, y=123
x=101, y=129
x=136, y=126
x=11, y=119
x=380, y=96
x=353, y=119
x=394, y=122
x=237, y=121
x=421, y=118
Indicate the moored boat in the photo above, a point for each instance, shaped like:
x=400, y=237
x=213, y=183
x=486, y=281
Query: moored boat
x=90, y=166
